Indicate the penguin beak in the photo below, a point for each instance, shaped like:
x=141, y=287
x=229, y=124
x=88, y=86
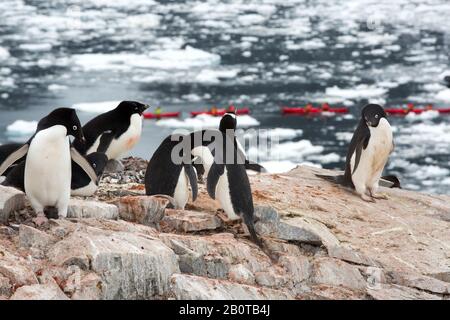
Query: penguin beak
x=144, y=107
x=81, y=137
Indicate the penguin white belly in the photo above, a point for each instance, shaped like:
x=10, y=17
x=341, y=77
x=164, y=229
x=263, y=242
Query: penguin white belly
x=223, y=195
x=85, y=191
x=374, y=157
x=205, y=154
x=125, y=142
x=181, y=194
x=48, y=171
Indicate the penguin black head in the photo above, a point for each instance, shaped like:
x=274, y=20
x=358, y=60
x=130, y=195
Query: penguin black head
x=131, y=107
x=372, y=114
x=228, y=122
x=447, y=81
x=66, y=117
x=98, y=161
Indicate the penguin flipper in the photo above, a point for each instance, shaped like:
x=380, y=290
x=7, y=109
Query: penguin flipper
x=105, y=141
x=213, y=178
x=362, y=143
x=84, y=164
x=253, y=166
x=13, y=157
x=190, y=172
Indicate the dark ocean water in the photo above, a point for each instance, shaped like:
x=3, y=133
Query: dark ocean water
x=186, y=55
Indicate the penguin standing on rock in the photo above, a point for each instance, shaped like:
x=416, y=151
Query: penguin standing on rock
x=115, y=132
x=229, y=184
x=48, y=164
x=367, y=155
x=166, y=178
x=82, y=185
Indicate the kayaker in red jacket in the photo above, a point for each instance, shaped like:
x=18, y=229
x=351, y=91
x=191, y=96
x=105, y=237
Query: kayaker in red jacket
x=409, y=108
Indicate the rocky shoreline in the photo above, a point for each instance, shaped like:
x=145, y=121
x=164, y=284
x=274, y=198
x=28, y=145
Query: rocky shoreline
x=121, y=244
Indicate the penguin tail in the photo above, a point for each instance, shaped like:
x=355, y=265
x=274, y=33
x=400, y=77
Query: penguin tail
x=257, y=240
x=339, y=179
x=390, y=182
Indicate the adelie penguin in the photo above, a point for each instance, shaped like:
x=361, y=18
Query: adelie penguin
x=81, y=185
x=367, y=155
x=205, y=154
x=48, y=162
x=165, y=177
x=229, y=184
x=115, y=132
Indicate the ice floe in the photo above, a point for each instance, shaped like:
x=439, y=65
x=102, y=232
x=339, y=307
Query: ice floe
x=275, y=133
x=250, y=19
x=443, y=95
x=361, y=91
x=4, y=54
x=296, y=151
x=22, y=128
x=214, y=76
x=35, y=47
x=56, y=87
x=159, y=59
x=426, y=115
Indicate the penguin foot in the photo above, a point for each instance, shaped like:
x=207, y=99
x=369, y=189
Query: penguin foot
x=367, y=198
x=380, y=196
x=40, y=219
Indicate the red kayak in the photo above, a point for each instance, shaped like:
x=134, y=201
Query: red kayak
x=404, y=112
x=220, y=112
x=304, y=111
x=149, y=115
